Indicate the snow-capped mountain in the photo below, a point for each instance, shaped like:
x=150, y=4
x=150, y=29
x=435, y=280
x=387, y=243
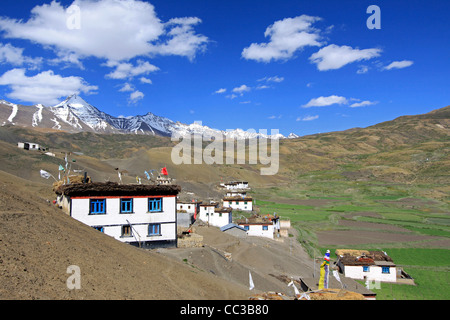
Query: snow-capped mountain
x=74, y=114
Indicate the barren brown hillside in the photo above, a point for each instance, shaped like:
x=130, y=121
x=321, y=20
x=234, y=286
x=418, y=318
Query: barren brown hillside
x=38, y=243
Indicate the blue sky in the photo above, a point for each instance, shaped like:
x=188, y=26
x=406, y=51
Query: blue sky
x=297, y=66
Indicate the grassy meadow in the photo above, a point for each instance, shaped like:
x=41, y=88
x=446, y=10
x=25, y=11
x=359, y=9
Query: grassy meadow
x=324, y=203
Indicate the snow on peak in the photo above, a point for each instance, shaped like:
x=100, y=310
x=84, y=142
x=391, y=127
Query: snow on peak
x=79, y=114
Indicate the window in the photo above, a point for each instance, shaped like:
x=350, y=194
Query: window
x=246, y=227
x=237, y=202
x=126, y=231
x=231, y=203
x=154, y=229
x=385, y=270
x=99, y=229
x=365, y=268
x=97, y=206
x=154, y=204
x=126, y=205
x=265, y=228
x=245, y=202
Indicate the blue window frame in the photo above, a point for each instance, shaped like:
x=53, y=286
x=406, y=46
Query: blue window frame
x=154, y=204
x=154, y=229
x=247, y=227
x=99, y=229
x=126, y=205
x=365, y=268
x=97, y=206
x=265, y=228
x=385, y=270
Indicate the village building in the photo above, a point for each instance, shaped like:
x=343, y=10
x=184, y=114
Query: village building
x=234, y=230
x=235, y=185
x=188, y=206
x=140, y=215
x=366, y=265
x=259, y=226
x=28, y=146
x=187, y=212
x=238, y=203
x=214, y=215
x=236, y=193
x=207, y=210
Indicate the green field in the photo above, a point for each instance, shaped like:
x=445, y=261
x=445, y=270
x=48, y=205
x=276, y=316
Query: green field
x=430, y=269
x=395, y=205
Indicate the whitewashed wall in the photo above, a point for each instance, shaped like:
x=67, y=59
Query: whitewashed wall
x=241, y=205
x=375, y=273
x=113, y=220
x=257, y=230
x=188, y=207
x=205, y=212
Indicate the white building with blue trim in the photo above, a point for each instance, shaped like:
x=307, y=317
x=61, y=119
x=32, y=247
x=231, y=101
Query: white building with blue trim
x=140, y=215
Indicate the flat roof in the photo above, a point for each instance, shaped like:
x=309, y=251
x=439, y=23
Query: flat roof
x=99, y=189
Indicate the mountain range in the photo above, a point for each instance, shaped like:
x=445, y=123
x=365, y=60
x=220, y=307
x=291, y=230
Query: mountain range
x=74, y=114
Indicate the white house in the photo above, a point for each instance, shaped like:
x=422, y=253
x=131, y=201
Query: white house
x=206, y=209
x=214, y=215
x=187, y=212
x=28, y=145
x=188, y=207
x=141, y=215
x=235, y=185
x=366, y=265
x=236, y=193
x=238, y=203
x=258, y=226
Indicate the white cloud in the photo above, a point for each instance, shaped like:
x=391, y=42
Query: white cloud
x=136, y=96
x=145, y=80
x=14, y=56
x=221, y=90
x=272, y=79
x=287, y=36
x=240, y=90
x=362, y=69
x=399, y=64
x=109, y=29
x=183, y=41
x=126, y=88
x=335, y=57
x=308, y=118
x=125, y=70
x=363, y=104
x=46, y=87
x=326, y=101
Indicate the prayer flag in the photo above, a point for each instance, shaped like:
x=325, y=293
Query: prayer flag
x=45, y=174
x=252, y=285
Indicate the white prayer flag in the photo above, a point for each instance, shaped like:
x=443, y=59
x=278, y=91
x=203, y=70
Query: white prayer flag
x=252, y=285
x=295, y=288
x=45, y=174
x=336, y=275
